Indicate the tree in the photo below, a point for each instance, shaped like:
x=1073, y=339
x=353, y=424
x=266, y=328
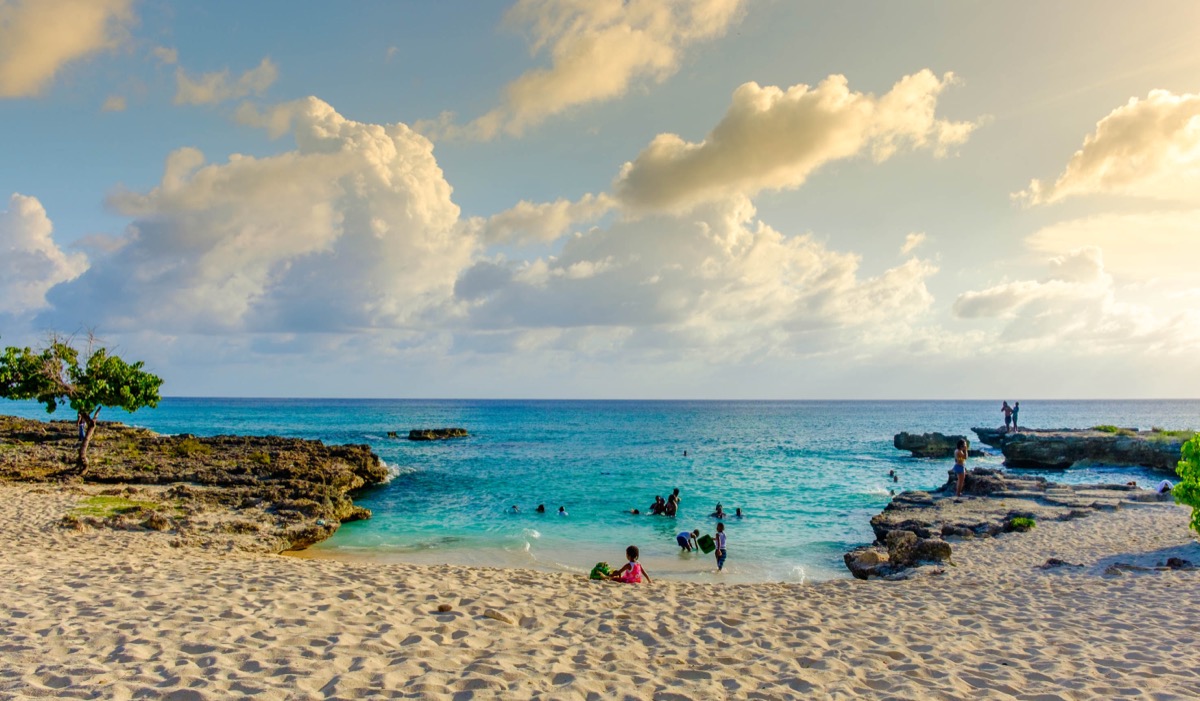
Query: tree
x=1188, y=490
x=87, y=382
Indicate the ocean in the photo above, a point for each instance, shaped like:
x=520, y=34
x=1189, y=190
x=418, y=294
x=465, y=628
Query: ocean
x=808, y=475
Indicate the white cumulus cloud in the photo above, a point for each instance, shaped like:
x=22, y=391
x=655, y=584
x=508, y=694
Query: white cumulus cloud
x=597, y=50
x=527, y=222
x=772, y=139
x=213, y=88
x=355, y=228
x=912, y=242
x=39, y=37
x=1148, y=148
x=31, y=262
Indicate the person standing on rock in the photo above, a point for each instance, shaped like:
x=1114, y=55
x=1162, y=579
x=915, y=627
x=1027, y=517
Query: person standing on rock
x=1008, y=413
x=1016, y=410
x=960, y=467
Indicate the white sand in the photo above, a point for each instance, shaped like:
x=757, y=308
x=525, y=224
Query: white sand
x=118, y=615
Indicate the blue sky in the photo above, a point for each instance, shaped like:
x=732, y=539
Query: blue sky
x=551, y=198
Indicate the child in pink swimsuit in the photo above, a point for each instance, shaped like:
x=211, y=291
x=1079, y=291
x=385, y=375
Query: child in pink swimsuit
x=631, y=572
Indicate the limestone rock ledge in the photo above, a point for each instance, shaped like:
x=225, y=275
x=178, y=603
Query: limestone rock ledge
x=991, y=500
x=253, y=493
x=1059, y=449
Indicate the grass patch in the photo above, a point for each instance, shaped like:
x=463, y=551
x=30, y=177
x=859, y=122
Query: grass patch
x=105, y=507
x=260, y=458
x=1109, y=428
x=189, y=447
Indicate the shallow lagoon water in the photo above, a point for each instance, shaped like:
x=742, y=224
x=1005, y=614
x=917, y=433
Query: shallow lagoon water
x=808, y=474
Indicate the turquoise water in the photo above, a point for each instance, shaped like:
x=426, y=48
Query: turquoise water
x=808, y=475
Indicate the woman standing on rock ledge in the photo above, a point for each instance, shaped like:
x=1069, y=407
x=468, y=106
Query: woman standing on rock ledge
x=960, y=466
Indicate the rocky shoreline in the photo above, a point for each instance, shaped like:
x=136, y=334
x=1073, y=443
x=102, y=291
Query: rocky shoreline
x=910, y=532
x=264, y=494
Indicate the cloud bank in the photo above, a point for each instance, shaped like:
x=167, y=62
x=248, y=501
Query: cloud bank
x=1078, y=308
x=39, y=37
x=717, y=280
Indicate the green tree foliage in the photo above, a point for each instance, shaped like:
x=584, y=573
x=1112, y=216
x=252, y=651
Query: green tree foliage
x=87, y=381
x=1188, y=490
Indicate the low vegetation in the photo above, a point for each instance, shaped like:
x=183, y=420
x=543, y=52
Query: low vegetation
x=1160, y=434
x=109, y=506
x=1187, y=492
x=190, y=447
x=1109, y=428
x=1021, y=524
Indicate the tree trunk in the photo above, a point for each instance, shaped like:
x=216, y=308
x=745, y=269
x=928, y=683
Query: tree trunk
x=90, y=422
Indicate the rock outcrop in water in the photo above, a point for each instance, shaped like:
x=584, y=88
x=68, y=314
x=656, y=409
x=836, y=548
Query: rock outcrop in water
x=436, y=434
x=992, y=502
x=1059, y=449
x=931, y=445
x=256, y=493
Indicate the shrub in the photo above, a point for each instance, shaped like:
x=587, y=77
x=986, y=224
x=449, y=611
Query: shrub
x=1187, y=492
x=188, y=447
x=1021, y=524
x=260, y=458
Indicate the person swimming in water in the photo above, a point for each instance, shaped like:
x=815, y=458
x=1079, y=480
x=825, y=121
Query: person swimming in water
x=719, y=513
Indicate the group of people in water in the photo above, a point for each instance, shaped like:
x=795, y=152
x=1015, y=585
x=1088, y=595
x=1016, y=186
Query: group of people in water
x=541, y=509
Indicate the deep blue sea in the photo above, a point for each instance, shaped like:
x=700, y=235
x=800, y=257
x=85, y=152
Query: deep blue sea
x=807, y=474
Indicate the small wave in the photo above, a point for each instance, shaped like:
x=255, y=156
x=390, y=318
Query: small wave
x=531, y=533
x=800, y=573
x=394, y=471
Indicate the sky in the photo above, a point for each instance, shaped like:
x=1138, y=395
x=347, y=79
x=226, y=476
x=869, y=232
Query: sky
x=648, y=199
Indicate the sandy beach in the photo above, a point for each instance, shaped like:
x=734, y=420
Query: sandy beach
x=120, y=615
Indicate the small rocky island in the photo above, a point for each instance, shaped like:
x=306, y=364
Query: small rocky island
x=436, y=434
x=1059, y=449
x=266, y=493
x=910, y=532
